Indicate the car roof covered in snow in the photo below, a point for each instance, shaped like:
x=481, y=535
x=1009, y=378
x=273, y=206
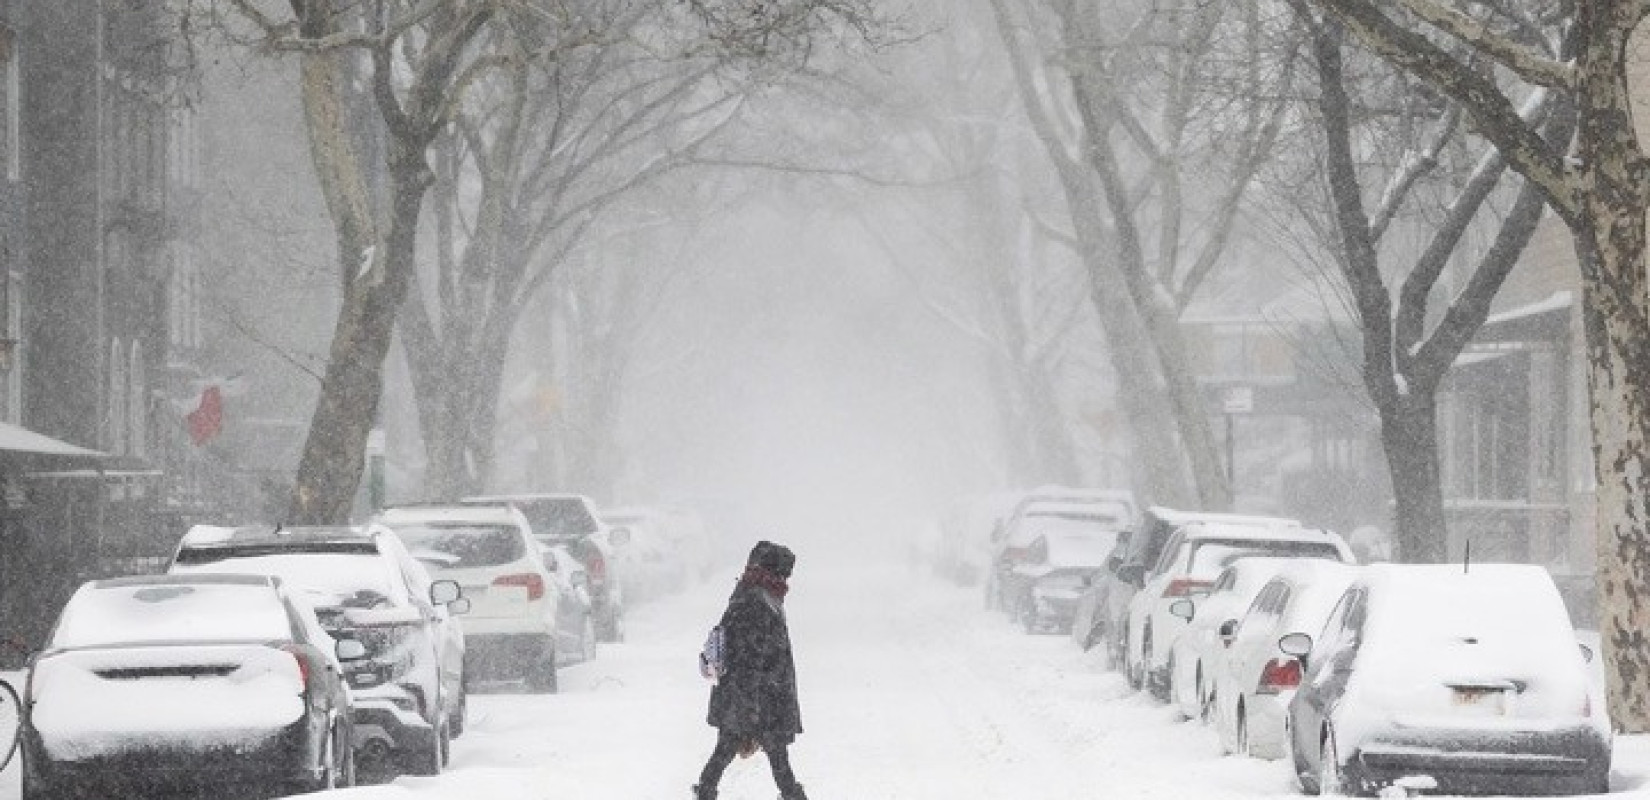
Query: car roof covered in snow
x=1220, y=529
x=501, y=514
x=204, y=536
x=1178, y=517
x=1316, y=584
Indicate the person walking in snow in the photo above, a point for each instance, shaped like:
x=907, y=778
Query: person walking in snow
x=754, y=704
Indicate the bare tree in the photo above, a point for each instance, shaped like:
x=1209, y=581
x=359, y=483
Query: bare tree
x=1407, y=351
x=537, y=154
x=1115, y=84
x=1599, y=184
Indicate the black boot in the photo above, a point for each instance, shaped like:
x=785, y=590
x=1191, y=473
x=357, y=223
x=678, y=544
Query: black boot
x=703, y=793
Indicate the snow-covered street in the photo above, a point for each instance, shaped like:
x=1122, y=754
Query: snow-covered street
x=909, y=692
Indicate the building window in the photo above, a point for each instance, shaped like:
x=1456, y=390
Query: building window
x=137, y=403
x=12, y=85
x=114, y=438
x=14, y=332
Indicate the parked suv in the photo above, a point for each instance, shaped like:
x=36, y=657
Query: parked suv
x=1190, y=562
x=1125, y=572
x=409, y=688
x=511, y=629
x=570, y=520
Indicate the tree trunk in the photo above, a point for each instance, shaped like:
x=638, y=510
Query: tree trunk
x=1409, y=434
x=335, y=451
x=1617, y=319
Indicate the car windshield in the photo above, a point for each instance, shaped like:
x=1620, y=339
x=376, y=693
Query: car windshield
x=559, y=517
x=351, y=580
x=461, y=546
x=1209, y=557
x=118, y=615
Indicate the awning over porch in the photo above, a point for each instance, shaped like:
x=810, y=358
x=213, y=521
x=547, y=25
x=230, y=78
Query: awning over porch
x=22, y=441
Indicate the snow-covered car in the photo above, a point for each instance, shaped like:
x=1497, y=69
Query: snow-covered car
x=186, y=682
x=1117, y=585
x=570, y=520
x=962, y=553
x=1200, y=649
x=512, y=628
x=1189, y=564
x=643, y=544
x=410, y=696
x=1256, y=680
x=1110, y=509
x=576, y=613
x=1467, y=678
x=1059, y=565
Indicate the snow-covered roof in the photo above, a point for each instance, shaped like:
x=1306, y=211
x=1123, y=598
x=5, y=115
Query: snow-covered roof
x=15, y=439
x=1557, y=301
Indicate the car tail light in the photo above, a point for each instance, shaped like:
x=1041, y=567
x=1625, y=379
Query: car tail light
x=1184, y=587
x=302, y=663
x=596, y=567
x=531, y=581
x=1279, y=674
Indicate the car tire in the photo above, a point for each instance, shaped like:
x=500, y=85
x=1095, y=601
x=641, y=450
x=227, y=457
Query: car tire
x=428, y=760
x=587, y=640
x=460, y=713
x=610, y=626
x=542, y=675
x=1242, y=730
x=1331, y=781
x=32, y=790
x=346, y=766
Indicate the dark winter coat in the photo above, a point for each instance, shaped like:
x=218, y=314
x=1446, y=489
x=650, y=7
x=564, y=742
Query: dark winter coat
x=756, y=695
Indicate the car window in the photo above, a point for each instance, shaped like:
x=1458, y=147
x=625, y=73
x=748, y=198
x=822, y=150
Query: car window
x=1340, y=632
x=1211, y=555
x=1171, y=553
x=181, y=612
x=353, y=580
x=461, y=546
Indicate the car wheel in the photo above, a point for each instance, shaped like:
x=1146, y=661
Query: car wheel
x=1204, y=697
x=1330, y=781
x=345, y=751
x=541, y=674
x=430, y=758
x=461, y=712
x=587, y=640
x=1242, y=730
x=32, y=790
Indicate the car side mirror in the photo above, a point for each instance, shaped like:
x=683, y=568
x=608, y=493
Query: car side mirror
x=444, y=592
x=1228, y=631
x=1183, y=609
x=1296, y=645
x=459, y=606
x=350, y=650
x=620, y=537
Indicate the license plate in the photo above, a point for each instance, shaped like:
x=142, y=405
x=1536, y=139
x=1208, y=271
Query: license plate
x=1485, y=702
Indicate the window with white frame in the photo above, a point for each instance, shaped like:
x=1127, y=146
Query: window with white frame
x=114, y=431
x=137, y=403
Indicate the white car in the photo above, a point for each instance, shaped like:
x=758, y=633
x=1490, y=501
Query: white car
x=1191, y=560
x=1106, y=509
x=1467, y=674
x=1200, y=649
x=1255, y=683
x=641, y=539
x=187, y=682
x=511, y=629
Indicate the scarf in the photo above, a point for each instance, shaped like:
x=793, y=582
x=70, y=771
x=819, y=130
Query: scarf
x=765, y=579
